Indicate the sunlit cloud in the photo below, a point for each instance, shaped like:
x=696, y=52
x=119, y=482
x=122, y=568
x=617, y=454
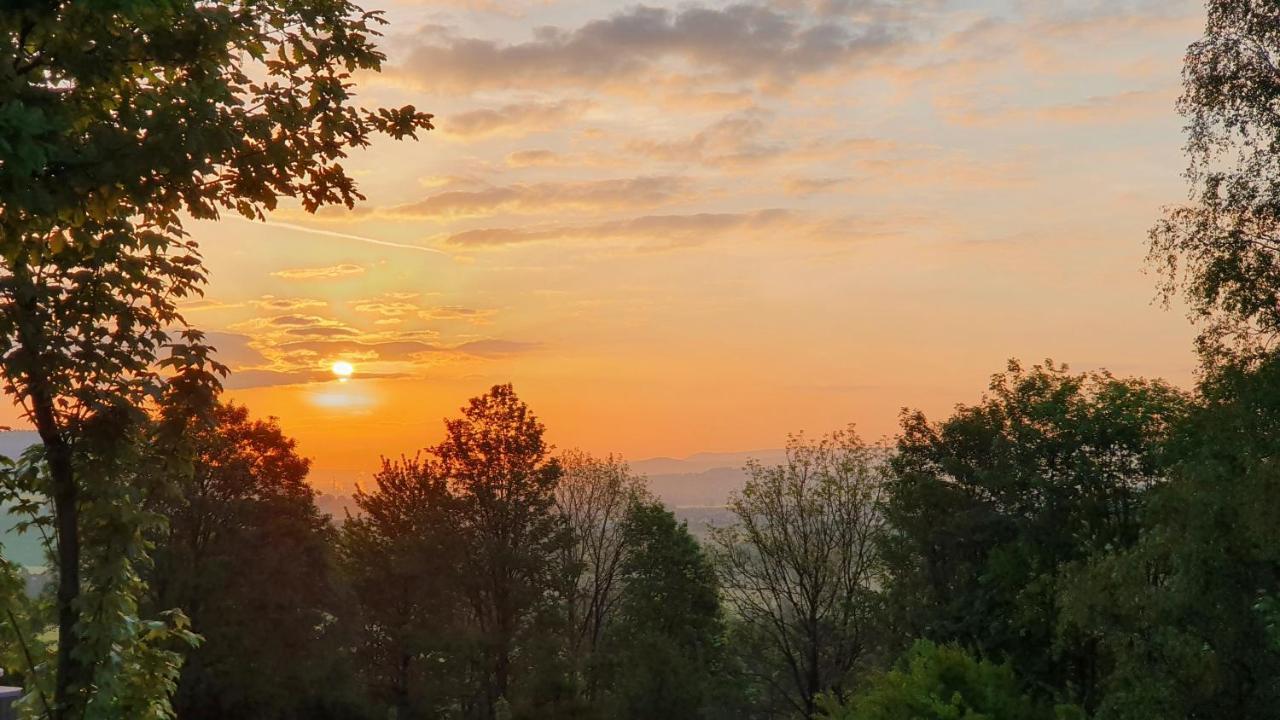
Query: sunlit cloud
x=475, y=316
x=747, y=139
x=386, y=308
x=749, y=42
x=655, y=231
x=515, y=119
x=390, y=350
x=287, y=304
x=328, y=272
x=534, y=158
x=551, y=197
x=621, y=184
x=203, y=304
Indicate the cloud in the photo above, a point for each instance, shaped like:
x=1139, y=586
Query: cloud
x=296, y=320
x=389, y=350
x=402, y=350
x=515, y=119
x=496, y=348
x=743, y=41
x=658, y=231
x=1118, y=108
x=260, y=378
x=474, y=316
x=395, y=307
x=533, y=158
x=732, y=140
x=271, y=302
x=201, y=304
x=272, y=329
x=320, y=273
x=607, y=194
x=323, y=331
x=810, y=186
x=1110, y=18
x=234, y=349
x=1115, y=109
x=741, y=139
x=385, y=308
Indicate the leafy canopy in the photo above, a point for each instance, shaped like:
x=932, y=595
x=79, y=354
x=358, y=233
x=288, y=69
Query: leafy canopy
x=1222, y=247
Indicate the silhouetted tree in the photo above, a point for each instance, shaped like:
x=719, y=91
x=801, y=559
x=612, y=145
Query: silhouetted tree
x=118, y=119
x=800, y=567
x=247, y=555
x=502, y=477
x=403, y=559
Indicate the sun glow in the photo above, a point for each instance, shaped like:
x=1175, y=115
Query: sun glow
x=342, y=369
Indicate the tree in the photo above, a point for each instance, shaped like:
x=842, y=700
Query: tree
x=663, y=654
x=114, y=120
x=800, y=566
x=247, y=555
x=1221, y=248
x=131, y=662
x=402, y=557
x=500, y=472
x=987, y=507
x=933, y=682
x=593, y=497
x=1182, y=615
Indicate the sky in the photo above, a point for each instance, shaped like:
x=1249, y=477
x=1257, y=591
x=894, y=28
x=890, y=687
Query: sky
x=691, y=227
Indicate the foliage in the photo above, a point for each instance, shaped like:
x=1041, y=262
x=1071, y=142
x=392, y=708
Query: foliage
x=933, y=682
x=403, y=562
x=1181, y=616
x=663, y=656
x=800, y=567
x=453, y=561
x=1221, y=247
x=503, y=479
x=21, y=647
x=987, y=506
x=115, y=118
x=131, y=662
x=247, y=555
x=593, y=497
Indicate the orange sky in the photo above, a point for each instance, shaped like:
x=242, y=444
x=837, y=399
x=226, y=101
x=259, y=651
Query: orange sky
x=702, y=226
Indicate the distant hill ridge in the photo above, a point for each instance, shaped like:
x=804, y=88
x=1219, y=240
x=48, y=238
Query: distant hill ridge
x=699, y=483
x=702, y=480
x=701, y=462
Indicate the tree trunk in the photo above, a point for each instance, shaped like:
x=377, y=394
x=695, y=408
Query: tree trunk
x=71, y=671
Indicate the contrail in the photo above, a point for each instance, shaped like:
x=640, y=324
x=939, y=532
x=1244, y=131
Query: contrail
x=345, y=236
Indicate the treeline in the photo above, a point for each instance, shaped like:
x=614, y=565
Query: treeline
x=1074, y=545
x=482, y=578
x=1070, y=546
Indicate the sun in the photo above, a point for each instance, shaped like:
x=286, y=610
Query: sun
x=342, y=369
